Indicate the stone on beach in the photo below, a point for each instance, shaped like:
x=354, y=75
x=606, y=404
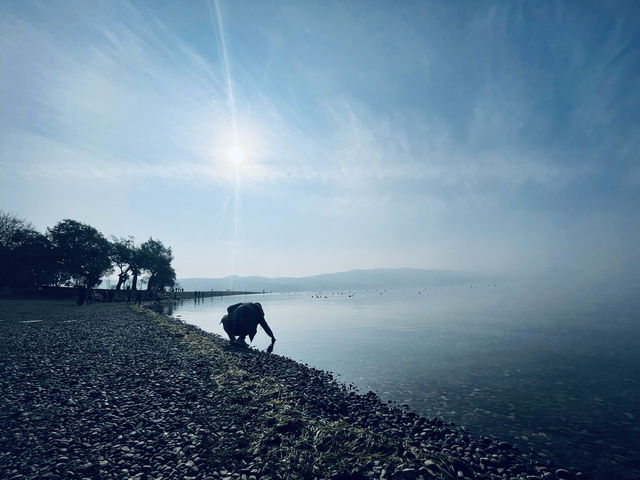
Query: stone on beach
x=109, y=391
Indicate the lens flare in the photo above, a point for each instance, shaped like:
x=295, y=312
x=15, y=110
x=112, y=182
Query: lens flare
x=236, y=155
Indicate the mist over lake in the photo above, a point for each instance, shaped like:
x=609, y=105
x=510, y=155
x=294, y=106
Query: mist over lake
x=548, y=369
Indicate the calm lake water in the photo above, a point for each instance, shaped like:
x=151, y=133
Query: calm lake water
x=552, y=372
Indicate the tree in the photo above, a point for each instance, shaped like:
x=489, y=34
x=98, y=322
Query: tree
x=136, y=267
x=163, y=277
x=82, y=252
x=10, y=225
x=35, y=260
x=135, y=271
x=26, y=255
x=123, y=255
x=156, y=259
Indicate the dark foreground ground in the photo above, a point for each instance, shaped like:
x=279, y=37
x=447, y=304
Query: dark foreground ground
x=109, y=392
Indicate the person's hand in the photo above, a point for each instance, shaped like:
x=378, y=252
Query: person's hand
x=270, y=347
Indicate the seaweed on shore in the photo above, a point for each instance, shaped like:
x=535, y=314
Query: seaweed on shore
x=291, y=437
x=298, y=422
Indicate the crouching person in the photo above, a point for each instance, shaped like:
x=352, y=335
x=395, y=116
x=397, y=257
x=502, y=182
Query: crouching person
x=242, y=319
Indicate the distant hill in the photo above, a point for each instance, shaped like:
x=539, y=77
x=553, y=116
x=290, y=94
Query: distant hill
x=380, y=278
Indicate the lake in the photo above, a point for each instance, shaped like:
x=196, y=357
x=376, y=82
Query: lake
x=550, y=371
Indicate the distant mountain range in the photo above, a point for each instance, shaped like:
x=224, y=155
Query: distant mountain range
x=379, y=278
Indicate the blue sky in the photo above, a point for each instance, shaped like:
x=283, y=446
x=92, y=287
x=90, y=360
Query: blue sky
x=488, y=136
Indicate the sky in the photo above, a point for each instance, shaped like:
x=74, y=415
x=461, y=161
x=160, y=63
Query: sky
x=289, y=138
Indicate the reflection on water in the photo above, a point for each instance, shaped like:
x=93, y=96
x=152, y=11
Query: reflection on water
x=556, y=374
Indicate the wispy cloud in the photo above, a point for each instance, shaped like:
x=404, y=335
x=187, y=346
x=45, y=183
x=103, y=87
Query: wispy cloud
x=393, y=124
x=138, y=97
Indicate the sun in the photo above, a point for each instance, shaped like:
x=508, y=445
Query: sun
x=236, y=155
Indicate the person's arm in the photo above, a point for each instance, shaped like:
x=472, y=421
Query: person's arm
x=265, y=326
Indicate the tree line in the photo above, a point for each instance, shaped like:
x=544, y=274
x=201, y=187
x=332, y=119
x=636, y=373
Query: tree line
x=76, y=254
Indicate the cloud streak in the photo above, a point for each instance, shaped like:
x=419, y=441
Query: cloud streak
x=405, y=125
x=123, y=94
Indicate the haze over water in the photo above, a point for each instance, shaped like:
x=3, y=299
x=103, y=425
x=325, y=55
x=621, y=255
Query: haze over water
x=548, y=370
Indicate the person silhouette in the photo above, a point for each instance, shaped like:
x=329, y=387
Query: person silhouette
x=242, y=320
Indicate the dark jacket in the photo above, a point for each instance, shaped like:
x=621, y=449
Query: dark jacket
x=242, y=319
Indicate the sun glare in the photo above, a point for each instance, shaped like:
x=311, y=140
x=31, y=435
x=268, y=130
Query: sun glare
x=236, y=155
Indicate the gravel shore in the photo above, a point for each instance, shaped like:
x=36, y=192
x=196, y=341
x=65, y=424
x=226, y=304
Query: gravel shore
x=108, y=391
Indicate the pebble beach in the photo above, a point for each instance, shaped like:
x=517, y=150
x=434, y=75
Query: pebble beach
x=112, y=391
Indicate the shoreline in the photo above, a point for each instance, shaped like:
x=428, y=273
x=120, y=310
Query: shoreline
x=96, y=390
x=112, y=295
